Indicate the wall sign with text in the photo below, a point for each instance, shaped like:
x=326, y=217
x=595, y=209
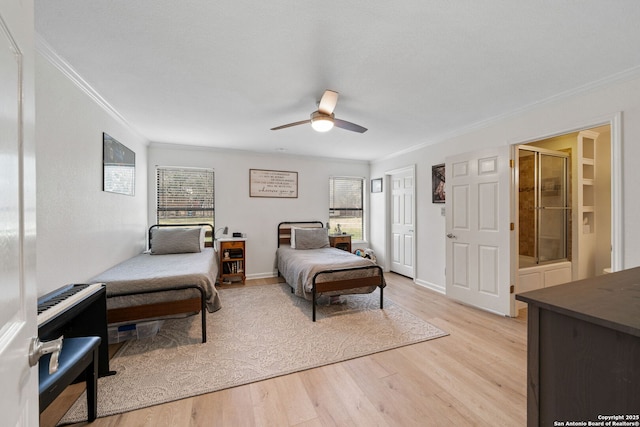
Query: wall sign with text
x=269, y=183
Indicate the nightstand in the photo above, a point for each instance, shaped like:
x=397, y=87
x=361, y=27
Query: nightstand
x=232, y=256
x=340, y=241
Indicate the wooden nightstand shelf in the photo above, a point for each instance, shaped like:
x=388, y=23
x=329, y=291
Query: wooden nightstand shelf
x=232, y=255
x=340, y=241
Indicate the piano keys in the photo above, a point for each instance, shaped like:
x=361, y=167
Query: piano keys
x=54, y=303
x=77, y=310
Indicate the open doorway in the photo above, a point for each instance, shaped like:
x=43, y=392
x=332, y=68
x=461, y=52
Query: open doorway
x=563, y=208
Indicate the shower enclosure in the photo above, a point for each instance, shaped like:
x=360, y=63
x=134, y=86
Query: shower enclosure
x=544, y=206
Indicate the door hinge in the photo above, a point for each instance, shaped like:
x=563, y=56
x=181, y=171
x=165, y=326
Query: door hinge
x=512, y=289
x=512, y=226
x=511, y=163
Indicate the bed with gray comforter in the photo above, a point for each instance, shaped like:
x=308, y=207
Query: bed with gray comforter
x=312, y=268
x=175, y=277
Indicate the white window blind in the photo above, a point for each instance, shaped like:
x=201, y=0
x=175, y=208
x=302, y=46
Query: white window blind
x=185, y=195
x=346, y=206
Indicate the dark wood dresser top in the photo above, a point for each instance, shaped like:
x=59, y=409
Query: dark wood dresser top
x=611, y=300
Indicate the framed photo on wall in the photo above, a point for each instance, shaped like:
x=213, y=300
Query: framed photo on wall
x=118, y=167
x=437, y=183
x=376, y=185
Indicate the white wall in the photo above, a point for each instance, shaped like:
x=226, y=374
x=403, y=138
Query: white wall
x=81, y=230
x=257, y=217
x=590, y=108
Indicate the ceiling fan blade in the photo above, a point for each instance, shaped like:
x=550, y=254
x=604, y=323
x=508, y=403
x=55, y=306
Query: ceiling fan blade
x=291, y=124
x=328, y=102
x=343, y=124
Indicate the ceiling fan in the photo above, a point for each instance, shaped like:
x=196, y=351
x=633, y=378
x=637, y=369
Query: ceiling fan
x=323, y=119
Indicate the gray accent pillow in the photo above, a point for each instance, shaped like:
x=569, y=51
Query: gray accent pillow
x=175, y=240
x=311, y=238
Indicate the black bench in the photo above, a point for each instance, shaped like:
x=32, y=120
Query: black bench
x=78, y=359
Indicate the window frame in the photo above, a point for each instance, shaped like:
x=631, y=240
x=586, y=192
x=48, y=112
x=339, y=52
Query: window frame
x=363, y=208
x=210, y=220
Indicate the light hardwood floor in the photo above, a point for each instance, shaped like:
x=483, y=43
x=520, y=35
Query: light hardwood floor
x=476, y=376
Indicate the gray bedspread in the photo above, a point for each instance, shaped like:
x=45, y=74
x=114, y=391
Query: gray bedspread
x=298, y=266
x=146, y=271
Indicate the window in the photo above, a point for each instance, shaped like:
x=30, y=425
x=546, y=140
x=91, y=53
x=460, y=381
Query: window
x=346, y=206
x=185, y=195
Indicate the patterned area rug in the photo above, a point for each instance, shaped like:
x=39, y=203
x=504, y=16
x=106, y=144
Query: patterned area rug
x=261, y=332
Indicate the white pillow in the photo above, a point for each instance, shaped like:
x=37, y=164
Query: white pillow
x=203, y=234
x=293, y=237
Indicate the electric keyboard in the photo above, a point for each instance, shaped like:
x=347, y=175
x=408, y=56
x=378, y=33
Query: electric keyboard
x=54, y=303
x=78, y=310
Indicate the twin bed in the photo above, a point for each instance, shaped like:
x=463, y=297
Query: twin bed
x=176, y=276
x=311, y=267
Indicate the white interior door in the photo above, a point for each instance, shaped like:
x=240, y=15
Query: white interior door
x=478, y=189
x=19, y=391
x=403, y=222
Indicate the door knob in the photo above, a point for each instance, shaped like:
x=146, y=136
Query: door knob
x=39, y=349
x=451, y=236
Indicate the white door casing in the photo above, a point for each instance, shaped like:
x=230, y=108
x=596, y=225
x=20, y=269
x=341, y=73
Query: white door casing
x=19, y=391
x=478, y=217
x=403, y=222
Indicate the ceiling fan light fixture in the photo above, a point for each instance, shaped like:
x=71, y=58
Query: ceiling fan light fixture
x=323, y=119
x=321, y=122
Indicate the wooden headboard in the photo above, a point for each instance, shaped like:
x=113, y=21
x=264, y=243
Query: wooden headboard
x=284, y=229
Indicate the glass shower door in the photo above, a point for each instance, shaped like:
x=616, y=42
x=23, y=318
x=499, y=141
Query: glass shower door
x=527, y=217
x=552, y=207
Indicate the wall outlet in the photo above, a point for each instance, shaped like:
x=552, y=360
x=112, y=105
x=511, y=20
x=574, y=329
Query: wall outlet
x=443, y=212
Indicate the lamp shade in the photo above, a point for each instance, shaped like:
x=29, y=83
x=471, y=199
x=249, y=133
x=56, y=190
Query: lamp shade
x=321, y=122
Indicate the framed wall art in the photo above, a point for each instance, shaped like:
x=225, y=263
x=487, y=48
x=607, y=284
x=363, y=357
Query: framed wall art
x=376, y=185
x=118, y=167
x=270, y=183
x=437, y=183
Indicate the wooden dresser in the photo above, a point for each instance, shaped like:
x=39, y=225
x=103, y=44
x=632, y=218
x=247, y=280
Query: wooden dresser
x=340, y=241
x=583, y=350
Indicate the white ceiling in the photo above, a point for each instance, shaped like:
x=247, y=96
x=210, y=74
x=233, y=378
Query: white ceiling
x=222, y=73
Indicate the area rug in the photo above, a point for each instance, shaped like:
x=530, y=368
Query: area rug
x=261, y=332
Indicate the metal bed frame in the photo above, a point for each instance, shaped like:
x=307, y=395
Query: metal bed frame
x=284, y=237
x=156, y=310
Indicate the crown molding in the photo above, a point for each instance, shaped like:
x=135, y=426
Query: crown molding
x=47, y=52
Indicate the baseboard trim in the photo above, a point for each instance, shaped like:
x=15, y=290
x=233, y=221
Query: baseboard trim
x=437, y=288
x=261, y=275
